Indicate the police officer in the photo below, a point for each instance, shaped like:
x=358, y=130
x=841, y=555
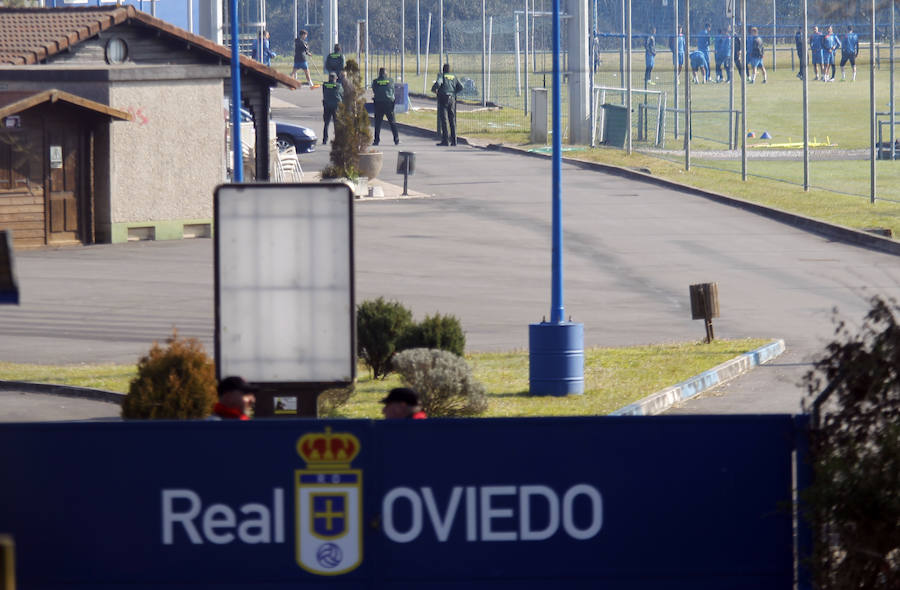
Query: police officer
x=447, y=87
x=383, y=91
x=332, y=95
x=334, y=62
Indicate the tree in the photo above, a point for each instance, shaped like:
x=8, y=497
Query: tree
x=351, y=131
x=854, y=502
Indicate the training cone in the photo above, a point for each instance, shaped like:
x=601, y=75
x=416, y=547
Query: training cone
x=765, y=135
x=751, y=134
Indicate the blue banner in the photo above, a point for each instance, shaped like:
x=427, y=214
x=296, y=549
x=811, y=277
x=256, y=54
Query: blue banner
x=668, y=502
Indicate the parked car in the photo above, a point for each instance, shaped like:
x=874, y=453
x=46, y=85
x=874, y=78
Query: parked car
x=303, y=139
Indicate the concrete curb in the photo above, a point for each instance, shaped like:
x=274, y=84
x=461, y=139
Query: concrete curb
x=661, y=401
x=100, y=395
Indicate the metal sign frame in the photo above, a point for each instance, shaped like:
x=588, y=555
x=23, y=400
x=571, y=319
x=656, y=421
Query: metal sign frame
x=241, y=216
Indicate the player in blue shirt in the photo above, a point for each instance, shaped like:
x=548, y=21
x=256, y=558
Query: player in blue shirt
x=830, y=45
x=676, y=44
x=703, y=42
x=699, y=64
x=649, y=55
x=723, y=55
x=815, y=48
x=849, y=51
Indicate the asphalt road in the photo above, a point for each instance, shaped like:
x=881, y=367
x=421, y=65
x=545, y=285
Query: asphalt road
x=479, y=248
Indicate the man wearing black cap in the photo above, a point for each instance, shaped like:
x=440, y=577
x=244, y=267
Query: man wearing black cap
x=402, y=402
x=236, y=399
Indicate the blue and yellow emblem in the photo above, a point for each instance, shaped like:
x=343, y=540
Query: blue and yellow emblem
x=329, y=504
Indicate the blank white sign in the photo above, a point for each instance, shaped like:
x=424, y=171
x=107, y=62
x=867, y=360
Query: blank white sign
x=284, y=280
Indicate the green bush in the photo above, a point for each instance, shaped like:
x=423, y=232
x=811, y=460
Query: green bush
x=437, y=331
x=332, y=399
x=444, y=381
x=379, y=327
x=178, y=381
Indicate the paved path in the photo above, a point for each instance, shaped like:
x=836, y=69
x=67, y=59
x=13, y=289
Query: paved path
x=479, y=249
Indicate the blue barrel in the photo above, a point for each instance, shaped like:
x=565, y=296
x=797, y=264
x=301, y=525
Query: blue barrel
x=401, y=97
x=556, y=358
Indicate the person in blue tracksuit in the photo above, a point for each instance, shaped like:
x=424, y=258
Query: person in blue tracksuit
x=267, y=53
x=676, y=44
x=830, y=45
x=700, y=66
x=703, y=42
x=649, y=55
x=849, y=51
x=723, y=56
x=815, y=47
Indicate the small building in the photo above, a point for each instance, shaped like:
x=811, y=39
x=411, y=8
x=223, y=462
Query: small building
x=113, y=125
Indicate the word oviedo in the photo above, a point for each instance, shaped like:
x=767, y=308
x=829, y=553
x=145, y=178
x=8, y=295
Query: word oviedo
x=328, y=517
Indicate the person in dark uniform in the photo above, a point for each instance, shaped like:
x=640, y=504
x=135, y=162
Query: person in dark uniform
x=332, y=95
x=447, y=86
x=383, y=91
x=334, y=61
x=738, y=53
x=800, y=44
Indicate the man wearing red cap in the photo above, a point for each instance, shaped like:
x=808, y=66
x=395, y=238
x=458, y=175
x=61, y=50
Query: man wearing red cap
x=402, y=402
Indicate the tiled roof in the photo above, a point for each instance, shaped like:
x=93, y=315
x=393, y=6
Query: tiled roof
x=16, y=101
x=31, y=35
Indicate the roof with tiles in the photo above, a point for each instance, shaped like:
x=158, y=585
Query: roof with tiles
x=31, y=35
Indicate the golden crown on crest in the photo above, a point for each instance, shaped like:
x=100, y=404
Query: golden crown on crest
x=327, y=448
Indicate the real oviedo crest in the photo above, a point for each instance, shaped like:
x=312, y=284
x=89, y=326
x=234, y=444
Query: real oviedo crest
x=329, y=504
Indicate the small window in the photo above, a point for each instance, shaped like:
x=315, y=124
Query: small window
x=116, y=51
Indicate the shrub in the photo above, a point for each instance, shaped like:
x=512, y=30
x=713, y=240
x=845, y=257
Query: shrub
x=437, y=331
x=444, y=382
x=178, y=381
x=854, y=501
x=351, y=130
x=379, y=326
x=332, y=399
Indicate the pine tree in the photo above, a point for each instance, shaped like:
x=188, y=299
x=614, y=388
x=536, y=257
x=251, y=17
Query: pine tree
x=351, y=134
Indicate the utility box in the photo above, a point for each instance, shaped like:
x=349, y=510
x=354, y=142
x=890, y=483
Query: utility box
x=539, y=115
x=401, y=97
x=406, y=163
x=704, y=301
x=615, y=124
x=705, y=306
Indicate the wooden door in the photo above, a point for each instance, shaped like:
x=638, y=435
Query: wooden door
x=63, y=184
x=21, y=185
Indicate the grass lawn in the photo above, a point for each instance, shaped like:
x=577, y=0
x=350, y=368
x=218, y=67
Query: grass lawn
x=614, y=377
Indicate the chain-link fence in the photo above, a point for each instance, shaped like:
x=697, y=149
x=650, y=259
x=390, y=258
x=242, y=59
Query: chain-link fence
x=502, y=50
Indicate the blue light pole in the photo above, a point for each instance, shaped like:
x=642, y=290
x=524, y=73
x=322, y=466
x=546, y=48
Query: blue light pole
x=238, y=175
x=556, y=348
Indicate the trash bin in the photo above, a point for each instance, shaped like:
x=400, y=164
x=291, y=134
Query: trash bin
x=615, y=124
x=401, y=97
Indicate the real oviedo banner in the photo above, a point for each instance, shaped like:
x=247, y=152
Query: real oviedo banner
x=676, y=502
